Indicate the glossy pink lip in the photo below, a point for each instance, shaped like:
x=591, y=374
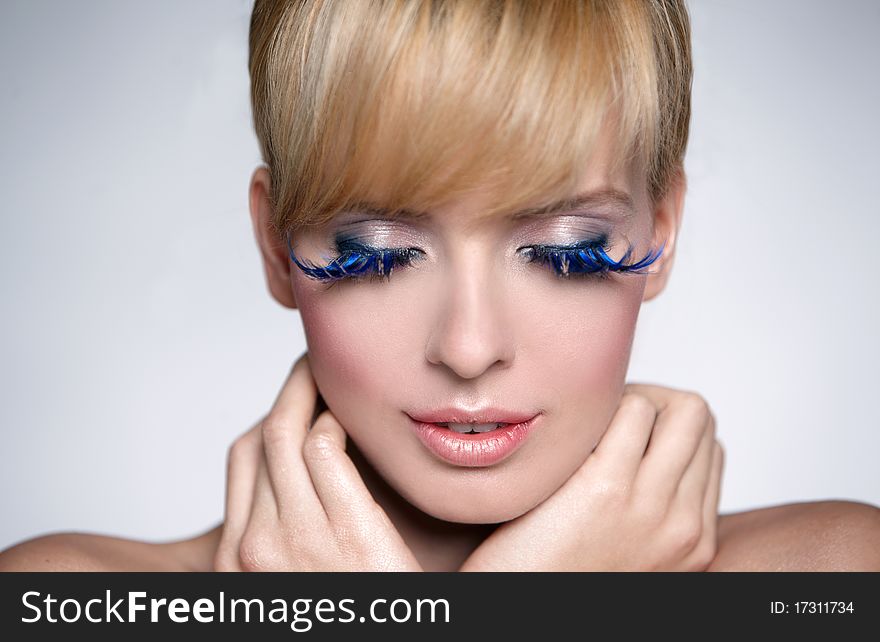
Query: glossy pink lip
x=472, y=450
x=461, y=416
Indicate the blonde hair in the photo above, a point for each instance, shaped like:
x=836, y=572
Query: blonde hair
x=419, y=102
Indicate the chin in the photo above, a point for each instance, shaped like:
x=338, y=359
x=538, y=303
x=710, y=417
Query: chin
x=447, y=502
x=477, y=514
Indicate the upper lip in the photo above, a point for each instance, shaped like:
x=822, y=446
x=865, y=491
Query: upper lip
x=489, y=415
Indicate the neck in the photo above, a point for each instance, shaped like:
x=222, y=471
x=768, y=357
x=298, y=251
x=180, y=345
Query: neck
x=438, y=545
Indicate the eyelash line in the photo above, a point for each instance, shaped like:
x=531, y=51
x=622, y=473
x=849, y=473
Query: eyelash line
x=358, y=259
x=588, y=257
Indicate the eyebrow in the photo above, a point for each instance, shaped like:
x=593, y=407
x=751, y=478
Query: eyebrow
x=608, y=197
x=601, y=198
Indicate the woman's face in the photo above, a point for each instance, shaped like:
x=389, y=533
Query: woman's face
x=473, y=324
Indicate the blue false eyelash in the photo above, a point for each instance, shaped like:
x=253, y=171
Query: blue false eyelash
x=588, y=257
x=356, y=260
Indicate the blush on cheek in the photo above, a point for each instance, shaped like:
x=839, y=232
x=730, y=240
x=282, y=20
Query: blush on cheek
x=584, y=361
x=356, y=346
x=605, y=340
x=591, y=335
x=610, y=348
x=339, y=363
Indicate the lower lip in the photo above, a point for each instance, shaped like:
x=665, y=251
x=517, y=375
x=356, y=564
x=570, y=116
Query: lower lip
x=479, y=449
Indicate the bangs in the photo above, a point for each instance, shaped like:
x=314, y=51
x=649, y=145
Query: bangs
x=412, y=105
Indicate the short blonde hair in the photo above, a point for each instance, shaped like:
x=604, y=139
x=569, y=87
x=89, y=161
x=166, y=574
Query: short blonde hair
x=422, y=101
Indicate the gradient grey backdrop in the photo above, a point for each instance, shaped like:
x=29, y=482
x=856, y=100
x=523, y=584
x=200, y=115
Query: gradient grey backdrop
x=138, y=337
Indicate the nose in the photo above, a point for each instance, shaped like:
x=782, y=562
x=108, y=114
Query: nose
x=472, y=331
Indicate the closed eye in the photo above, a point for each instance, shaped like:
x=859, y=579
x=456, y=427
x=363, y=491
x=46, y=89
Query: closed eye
x=588, y=257
x=356, y=260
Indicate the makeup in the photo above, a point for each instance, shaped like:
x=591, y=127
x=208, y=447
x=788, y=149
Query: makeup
x=588, y=257
x=488, y=444
x=356, y=259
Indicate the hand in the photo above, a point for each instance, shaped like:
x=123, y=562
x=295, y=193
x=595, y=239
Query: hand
x=626, y=508
x=296, y=502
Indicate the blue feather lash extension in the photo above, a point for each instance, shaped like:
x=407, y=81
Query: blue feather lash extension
x=586, y=257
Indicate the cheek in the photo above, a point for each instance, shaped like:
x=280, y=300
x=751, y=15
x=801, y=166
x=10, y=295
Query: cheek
x=586, y=344
x=572, y=347
x=582, y=354
x=576, y=337
x=358, y=343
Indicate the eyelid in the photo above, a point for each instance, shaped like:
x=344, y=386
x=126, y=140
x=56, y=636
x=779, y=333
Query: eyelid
x=397, y=233
x=602, y=240
x=357, y=258
x=380, y=232
x=574, y=226
x=356, y=262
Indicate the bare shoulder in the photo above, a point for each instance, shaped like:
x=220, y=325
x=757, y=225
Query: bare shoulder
x=91, y=552
x=831, y=535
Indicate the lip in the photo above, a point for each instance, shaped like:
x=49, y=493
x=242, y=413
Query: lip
x=482, y=416
x=480, y=449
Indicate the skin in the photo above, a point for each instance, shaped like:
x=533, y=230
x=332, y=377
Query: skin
x=487, y=326
x=628, y=476
x=663, y=501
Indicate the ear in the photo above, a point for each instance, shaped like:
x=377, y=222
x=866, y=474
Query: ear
x=667, y=223
x=276, y=262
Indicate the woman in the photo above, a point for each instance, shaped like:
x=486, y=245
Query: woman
x=468, y=202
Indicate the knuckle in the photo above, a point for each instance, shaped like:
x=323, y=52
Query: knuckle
x=693, y=406
x=636, y=403
x=274, y=431
x=237, y=451
x=641, y=388
x=705, y=553
x=319, y=446
x=256, y=552
x=701, y=557
x=615, y=492
x=607, y=492
x=687, y=532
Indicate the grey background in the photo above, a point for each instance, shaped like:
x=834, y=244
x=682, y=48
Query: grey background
x=138, y=339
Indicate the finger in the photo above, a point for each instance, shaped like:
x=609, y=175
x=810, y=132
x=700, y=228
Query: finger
x=677, y=436
x=264, y=505
x=339, y=485
x=713, y=492
x=241, y=474
x=283, y=433
x=620, y=451
x=258, y=547
x=695, y=481
x=297, y=397
x=701, y=557
x=660, y=395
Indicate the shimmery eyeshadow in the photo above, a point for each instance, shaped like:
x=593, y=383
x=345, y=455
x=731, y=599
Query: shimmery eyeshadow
x=587, y=257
